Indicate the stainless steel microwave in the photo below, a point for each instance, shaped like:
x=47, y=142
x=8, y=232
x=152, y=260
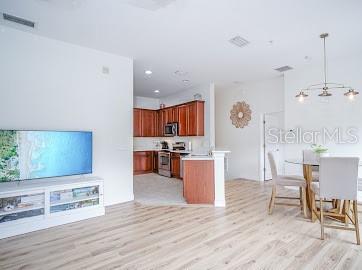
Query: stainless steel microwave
x=170, y=129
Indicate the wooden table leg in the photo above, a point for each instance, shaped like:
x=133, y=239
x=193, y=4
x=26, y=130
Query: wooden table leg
x=307, y=172
x=346, y=208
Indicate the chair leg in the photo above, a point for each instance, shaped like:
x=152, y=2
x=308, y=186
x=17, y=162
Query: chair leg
x=301, y=198
x=304, y=200
x=322, y=219
x=347, y=206
x=356, y=224
x=313, y=207
x=272, y=200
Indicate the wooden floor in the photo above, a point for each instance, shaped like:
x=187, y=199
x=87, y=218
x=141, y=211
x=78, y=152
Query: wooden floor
x=241, y=236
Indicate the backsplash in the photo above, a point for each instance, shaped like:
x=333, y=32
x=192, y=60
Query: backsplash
x=200, y=145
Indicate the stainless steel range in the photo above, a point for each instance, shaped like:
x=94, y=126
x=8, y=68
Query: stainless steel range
x=164, y=163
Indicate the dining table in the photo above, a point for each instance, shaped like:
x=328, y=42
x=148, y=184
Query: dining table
x=338, y=207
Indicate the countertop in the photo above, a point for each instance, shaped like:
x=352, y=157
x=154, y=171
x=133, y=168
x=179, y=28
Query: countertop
x=158, y=149
x=216, y=152
x=192, y=157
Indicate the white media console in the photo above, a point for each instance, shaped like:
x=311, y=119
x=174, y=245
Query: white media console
x=39, y=204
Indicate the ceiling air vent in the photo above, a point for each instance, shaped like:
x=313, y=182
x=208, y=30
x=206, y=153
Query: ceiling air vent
x=239, y=41
x=18, y=20
x=283, y=68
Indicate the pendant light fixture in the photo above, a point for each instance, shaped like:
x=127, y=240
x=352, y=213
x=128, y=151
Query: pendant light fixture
x=301, y=96
x=326, y=87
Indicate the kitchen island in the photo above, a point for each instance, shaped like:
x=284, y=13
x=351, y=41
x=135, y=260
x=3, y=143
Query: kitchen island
x=204, y=178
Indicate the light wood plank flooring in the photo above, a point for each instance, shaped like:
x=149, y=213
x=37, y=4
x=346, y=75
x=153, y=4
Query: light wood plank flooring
x=241, y=236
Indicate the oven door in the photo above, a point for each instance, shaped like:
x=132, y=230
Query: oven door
x=164, y=161
x=164, y=164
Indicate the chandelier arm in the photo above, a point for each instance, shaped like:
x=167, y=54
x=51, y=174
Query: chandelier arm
x=328, y=83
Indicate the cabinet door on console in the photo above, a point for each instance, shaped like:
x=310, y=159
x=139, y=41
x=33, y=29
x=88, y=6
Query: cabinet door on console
x=137, y=123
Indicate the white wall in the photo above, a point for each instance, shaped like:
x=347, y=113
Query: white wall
x=146, y=103
x=313, y=114
x=245, y=143
x=51, y=85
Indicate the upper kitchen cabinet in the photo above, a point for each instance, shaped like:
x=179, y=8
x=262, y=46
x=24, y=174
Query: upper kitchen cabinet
x=151, y=123
x=145, y=123
x=137, y=127
x=169, y=115
x=183, y=115
x=191, y=119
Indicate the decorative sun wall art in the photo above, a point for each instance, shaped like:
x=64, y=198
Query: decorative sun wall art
x=240, y=114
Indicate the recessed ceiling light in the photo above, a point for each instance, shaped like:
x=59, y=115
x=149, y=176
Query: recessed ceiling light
x=185, y=81
x=157, y=91
x=148, y=72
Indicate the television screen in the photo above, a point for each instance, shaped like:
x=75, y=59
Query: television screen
x=39, y=154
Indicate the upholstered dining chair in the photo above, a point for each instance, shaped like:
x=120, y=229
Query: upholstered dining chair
x=285, y=181
x=359, y=190
x=338, y=179
x=311, y=157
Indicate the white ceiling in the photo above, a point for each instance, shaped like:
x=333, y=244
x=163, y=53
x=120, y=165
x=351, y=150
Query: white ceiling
x=192, y=35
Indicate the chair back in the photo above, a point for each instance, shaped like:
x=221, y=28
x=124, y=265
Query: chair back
x=310, y=157
x=338, y=177
x=273, y=156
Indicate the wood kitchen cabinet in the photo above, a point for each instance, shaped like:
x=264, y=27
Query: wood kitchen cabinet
x=183, y=114
x=142, y=162
x=145, y=123
x=191, y=119
x=198, y=181
x=151, y=123
x=137, y=115
x=175, y=165
x=195, y=126
x=155, y=161
x=168, y=115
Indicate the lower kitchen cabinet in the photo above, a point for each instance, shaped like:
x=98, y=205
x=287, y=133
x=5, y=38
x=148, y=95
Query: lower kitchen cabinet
x=142, y=162
x=145, y=162
x=175, y=165
x=155, y=162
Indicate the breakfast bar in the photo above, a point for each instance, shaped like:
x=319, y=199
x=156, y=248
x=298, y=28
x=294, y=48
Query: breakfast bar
x=204, y=178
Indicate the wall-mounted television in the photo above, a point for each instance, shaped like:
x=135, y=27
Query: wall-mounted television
x=26, y=155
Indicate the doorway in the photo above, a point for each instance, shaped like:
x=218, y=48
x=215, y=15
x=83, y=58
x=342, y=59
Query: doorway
x=272, y=124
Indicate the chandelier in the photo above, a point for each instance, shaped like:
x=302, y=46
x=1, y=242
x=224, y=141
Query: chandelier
x=326, y=87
